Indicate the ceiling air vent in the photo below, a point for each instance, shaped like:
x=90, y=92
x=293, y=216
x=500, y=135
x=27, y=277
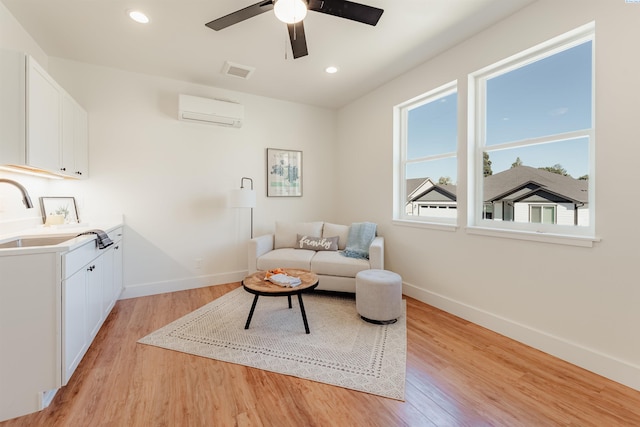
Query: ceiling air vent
x=237, y=70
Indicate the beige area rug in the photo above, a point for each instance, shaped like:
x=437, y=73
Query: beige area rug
x=341, y=350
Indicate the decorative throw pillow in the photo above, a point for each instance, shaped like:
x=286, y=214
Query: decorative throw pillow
x=317, y=243
x=342, y=231
x=285, y=234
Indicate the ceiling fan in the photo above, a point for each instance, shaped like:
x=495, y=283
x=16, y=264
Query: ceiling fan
x=340, y=8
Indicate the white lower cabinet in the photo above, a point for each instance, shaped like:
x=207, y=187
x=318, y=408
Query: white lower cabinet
x=112, y=274
x=95, y=315
x=52, y=305
x=91, y=286
x=76, y=340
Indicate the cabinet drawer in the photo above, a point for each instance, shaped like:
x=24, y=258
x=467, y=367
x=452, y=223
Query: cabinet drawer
x=115, y=235
x=78, y=258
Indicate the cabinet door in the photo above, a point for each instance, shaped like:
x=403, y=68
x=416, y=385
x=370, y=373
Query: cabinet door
x=112, y=277
x=107, y=281
x=94, y=297
x=12, y=107
x=74, y=322
x=117, y=270
x=44, y=118
x=68, y=137
x=75, y=160
x=81, y=143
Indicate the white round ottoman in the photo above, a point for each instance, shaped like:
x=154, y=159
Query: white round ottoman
x=379, y=296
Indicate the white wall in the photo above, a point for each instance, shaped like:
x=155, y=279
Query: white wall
x=13, y=36
x=171, y=179
x=582, y=304
x=13, y=214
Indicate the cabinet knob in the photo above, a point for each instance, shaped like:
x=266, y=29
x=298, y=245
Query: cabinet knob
x=78, y=173
x=91, y=268
x=116, y=248
x=63, y=169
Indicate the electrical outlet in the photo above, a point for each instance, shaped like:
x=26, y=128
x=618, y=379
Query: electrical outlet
x=198, y=263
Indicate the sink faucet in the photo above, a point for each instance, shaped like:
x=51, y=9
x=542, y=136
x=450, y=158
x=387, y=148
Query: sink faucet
x=25, y=196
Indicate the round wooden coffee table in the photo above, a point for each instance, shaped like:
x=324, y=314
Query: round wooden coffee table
x=255, y=284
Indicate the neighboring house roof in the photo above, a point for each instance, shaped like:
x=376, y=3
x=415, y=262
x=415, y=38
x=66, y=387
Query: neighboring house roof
x=520, y=182
x=422, y=189
x=517, y=183
x=413, y=184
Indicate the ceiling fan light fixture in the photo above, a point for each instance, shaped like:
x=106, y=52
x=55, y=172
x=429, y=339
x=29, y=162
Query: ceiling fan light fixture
x=290, y=11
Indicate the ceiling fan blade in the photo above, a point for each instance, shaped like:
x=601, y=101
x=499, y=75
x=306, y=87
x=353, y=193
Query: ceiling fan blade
x=298, y=40
x=348, y=10
x=240, y=15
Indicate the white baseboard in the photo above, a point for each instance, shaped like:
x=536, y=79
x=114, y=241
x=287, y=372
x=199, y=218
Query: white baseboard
x=146, y=289
x=608, y=366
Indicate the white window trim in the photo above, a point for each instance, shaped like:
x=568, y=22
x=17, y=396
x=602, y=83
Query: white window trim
x=400, y=161
x=570, y=235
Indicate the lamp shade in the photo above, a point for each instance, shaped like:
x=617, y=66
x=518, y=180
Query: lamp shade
x=242, y=198
x=290, y=11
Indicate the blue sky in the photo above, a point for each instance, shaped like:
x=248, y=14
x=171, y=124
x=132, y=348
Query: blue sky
x=549, y=96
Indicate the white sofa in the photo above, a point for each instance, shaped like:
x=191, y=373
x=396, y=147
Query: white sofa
x=335, y=271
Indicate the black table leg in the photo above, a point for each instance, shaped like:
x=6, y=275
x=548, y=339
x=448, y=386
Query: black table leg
x=289, y=298
x=304, y=314
x=253, y=307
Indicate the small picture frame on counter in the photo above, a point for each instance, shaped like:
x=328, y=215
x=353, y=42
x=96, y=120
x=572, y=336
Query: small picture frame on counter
x=59, y=210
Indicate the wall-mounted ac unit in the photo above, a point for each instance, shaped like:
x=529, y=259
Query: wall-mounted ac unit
x=210, y=111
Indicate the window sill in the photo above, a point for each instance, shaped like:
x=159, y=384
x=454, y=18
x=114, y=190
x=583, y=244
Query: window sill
x=425, y=224
x=559, y=239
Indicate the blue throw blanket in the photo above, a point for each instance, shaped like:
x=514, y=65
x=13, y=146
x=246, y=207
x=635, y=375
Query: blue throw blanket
x=361, y=234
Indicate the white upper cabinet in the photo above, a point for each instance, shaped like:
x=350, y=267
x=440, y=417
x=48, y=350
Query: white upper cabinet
x=41, y=125
x=44, y=115
x=74, y=159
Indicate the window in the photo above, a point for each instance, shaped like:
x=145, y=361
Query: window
x=542, y=214
x=532, y=140
x=426, y=143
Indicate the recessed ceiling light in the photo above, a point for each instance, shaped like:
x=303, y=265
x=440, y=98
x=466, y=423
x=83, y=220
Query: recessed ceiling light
x=138, y=16
x=331, y=70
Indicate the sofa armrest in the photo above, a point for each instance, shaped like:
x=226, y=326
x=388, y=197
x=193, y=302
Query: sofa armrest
x=258, y=246
x=376, y=253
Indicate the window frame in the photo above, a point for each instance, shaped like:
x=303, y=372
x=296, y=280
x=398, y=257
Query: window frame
x=400, y=124
x=542, y=207
x=477, y=81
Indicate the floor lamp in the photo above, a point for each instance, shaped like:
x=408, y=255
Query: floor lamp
x=244, y=198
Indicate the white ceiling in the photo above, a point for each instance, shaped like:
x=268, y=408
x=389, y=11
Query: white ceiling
x=176, y=43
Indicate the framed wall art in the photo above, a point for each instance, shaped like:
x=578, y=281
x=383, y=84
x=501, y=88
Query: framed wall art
x=62, y=208
x=284, y=173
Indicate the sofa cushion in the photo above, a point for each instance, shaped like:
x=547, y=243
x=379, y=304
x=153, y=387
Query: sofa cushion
x=317, y=243
x=286, y=232
x=286, y=258
x=335, y=264
x=342, y=231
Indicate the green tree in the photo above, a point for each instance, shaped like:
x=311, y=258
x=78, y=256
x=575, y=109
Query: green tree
x=444, y=180
x=557, y=168
x=486, y=168
x=518, y=162
x=584, y=178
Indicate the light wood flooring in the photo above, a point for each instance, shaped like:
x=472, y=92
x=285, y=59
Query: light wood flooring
x=458, y=374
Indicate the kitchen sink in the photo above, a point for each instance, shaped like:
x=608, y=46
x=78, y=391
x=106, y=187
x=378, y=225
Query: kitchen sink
x=28, y=241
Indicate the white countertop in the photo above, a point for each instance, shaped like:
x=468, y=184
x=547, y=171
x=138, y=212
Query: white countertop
x=58, y=230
